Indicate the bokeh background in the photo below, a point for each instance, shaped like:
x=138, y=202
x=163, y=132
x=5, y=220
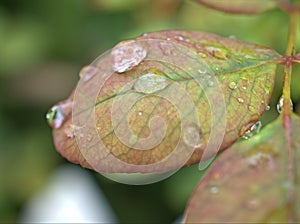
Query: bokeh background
x=43, y=45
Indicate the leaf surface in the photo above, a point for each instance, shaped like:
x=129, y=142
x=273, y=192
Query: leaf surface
x=180, y=67
x=240, y=6
x=249, y=182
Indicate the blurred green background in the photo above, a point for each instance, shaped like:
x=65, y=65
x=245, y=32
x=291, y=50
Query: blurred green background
x=43, y=45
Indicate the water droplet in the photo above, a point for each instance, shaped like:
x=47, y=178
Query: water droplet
x=179, y=37
x=216, y=68
x=240, y=100
x=140, y=113
x=210, y=83
x=250, y=108
x=259, y=158
x=127, y=55
x=202, y=70
x=57, y=114
x=252, y=203
x=280, y=105
x=216, y=52
x=214, y=190
x=168, y=39
x=89, y=137
x=167, y=48
x=247, y=56
x=71, y=130
x=88, y=72
x=150, y=83
x=244, y=87
x=202, y=55
x=191, y=136
x=255, y=129
x=55, y=117
x=232, y=85
x=144, y=34
x=268, y=107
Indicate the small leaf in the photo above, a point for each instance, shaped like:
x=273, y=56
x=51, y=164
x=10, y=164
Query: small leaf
x=249, y=182
x=165, y=107
x=240, y=6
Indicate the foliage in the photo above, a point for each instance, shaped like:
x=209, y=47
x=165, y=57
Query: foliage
x=245, y=75
x=43, y=45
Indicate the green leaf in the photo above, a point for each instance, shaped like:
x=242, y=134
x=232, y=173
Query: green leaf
x=240, y=6
x=186, y=79
x=251, y=182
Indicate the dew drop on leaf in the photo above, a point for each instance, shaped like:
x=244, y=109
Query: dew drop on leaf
x=232, y=85
x=88, y=72
x=202, y=71
x=191, y=136
x=218, y=53
x=268, y=107
x=55, y=117
x=71, y=130
x=255, y=129
x=279, y=106
x=166, y=48
x=202, y=55
x=240, y=100
x=210, y=83
x=251, y=108
x=179, y=37
x=150, y=83
x=214, y=189
x=252, y=203
x=140, y=113
x=57, y=114
x=127, y=55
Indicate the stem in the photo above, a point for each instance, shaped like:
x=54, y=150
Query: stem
x=287, y=111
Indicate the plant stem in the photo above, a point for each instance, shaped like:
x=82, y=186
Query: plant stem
x=287, y=110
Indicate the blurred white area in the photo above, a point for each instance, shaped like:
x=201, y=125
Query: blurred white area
x=71, y=196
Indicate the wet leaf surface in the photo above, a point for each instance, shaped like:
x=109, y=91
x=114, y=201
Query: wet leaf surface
x=240, y=6
x=172, y=70
x=249, y=182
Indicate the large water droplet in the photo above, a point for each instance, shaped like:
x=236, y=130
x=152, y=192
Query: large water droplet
x=55, y=117
x=255, y=129
x=88, y=72
x=150, y=83
x=127, y=55
x=191, y=136
x=57, y=114
x=268, y=107
x=280, y=105
x=216, y=52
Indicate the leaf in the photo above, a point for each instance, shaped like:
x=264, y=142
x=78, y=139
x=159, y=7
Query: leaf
x=153, y=102
x=240, y=6
x=250, y=181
